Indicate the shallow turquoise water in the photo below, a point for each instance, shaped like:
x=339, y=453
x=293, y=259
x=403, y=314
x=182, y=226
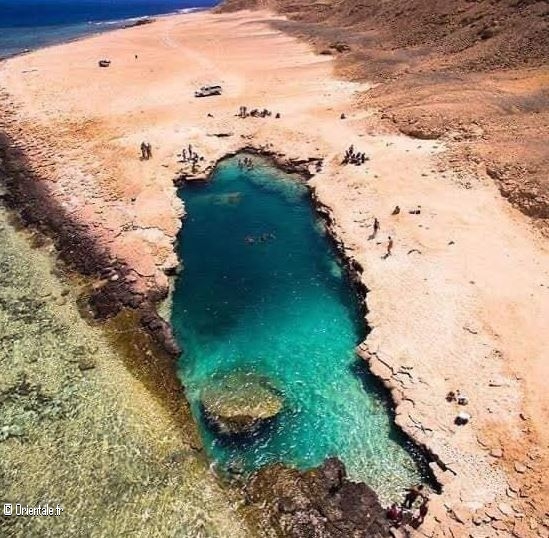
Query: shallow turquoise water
x=281, y=308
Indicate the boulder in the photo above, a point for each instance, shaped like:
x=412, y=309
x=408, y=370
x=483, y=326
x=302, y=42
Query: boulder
x=320, y=502
x=240, y=403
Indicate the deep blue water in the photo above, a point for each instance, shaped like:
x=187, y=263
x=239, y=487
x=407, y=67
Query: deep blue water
x=281, y=308
x=29, y=24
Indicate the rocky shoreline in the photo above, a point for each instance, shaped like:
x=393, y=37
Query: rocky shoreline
x=107, y=298
x=318, y=502
x=439, y=471
x=82, y=422
x=114, y=284
x=300, y=168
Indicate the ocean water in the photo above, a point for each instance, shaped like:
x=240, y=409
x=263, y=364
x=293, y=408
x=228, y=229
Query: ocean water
x=93, y=441
x=281, y=308
x=30, y=24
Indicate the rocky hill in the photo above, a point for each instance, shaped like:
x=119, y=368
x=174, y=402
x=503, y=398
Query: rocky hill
x=479, y=35
x=473, y=72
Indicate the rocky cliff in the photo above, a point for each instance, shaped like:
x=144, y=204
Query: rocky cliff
x=478, y=35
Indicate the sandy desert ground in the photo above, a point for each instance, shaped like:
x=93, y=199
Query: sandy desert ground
x=463, y=302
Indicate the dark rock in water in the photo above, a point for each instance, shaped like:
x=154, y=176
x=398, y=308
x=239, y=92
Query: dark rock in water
x=86, y=363
x=139, y=22
x=321, y=502
x=240, y=403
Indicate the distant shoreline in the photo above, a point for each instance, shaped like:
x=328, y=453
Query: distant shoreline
x=101, y=27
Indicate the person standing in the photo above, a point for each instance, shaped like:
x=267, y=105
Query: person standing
x=149, y=151
x=422, y=513
x=394, y=514
x=376, y=227
x=389, y=247
x=143, y=151
x=412, y=493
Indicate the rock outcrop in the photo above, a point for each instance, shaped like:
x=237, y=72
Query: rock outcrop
x=321, y=502
x=240, y=403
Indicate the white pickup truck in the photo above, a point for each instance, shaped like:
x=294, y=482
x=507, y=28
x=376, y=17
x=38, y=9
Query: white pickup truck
x=206, y=91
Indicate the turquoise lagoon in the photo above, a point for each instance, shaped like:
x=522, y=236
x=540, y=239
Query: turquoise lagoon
x=261, y=290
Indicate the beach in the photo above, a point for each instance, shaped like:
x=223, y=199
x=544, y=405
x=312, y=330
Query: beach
x=461, y=303
x=29, y=24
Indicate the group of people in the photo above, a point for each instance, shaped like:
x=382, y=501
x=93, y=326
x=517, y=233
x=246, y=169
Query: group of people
x=375, y=229
x=462, y=417
x=246, y=163
x=255, y=113
x=260, y=239
x=146, y=151
x=354, y=157
x=409, y=512
x=191, y=156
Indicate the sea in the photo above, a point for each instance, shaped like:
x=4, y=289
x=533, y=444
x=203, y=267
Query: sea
x=31, y=24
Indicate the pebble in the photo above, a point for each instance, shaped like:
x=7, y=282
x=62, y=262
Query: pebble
x=460, y=515
x=520, y=468
x=492, y=514
x=514, y=487
x=505, y=509
x=510, y=493
x=496, y=452
x=477, y=519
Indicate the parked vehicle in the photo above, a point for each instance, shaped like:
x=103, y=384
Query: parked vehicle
x=104, y=63
x=206, y=91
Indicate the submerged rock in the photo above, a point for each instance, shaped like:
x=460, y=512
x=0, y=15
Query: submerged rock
x=318, y=502
x=240, y=403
